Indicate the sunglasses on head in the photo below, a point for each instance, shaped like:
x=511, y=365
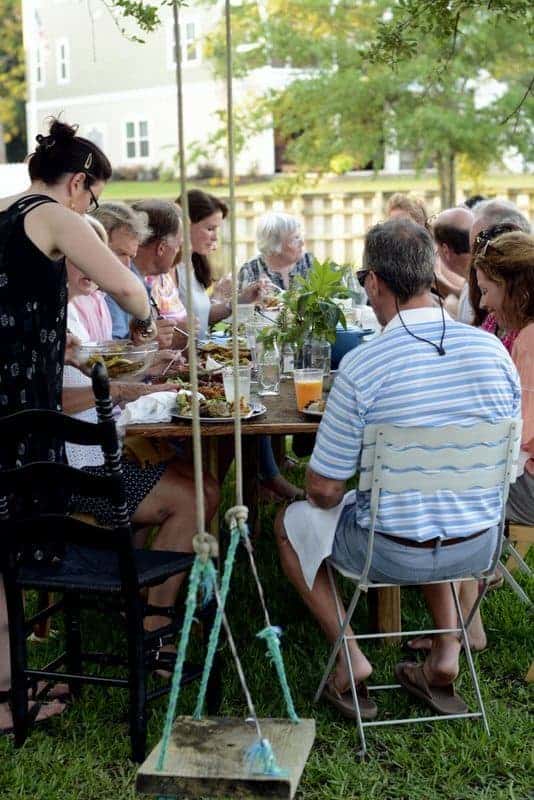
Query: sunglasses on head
x=485, y=237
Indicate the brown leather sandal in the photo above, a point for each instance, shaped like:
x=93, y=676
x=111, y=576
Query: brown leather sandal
x=344, y=703
x=442, y=699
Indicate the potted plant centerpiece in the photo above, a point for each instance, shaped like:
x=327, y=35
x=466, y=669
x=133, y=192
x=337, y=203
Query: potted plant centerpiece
x=309, y=314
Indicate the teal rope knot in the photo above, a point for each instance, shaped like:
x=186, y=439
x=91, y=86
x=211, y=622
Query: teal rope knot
x=261, y=759
x=272, y=635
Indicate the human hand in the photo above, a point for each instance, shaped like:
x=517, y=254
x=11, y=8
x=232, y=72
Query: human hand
x=143, y=331
x=126, y=392
x=72, y=343
x=165, y=333
x=222, y=291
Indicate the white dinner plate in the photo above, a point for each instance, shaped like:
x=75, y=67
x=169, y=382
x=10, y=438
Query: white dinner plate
x=314, y=414
x=256, y=411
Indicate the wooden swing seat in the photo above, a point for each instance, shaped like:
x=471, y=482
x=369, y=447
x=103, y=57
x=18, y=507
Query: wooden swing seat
x=206, y=759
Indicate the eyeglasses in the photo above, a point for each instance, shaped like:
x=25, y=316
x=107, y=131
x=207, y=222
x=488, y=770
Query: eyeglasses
x=362, y=274
x=94, y=202
x=485, y=237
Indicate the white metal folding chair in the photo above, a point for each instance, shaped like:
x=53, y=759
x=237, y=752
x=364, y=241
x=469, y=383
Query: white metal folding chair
x=398, y=459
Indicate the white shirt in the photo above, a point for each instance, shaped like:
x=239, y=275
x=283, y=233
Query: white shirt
x=465, y=312
x=201, y=301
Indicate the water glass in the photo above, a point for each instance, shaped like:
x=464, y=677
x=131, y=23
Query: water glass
x=268, y=361
x=229, y=383
x=317, y=354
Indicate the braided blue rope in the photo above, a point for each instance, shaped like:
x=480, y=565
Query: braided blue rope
x=190, y=605
x=261, y=760
x=272, y=636
x=216, y=627
x=271, y=633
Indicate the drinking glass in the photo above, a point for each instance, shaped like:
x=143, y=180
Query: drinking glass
x=308, y=386
x=268, y=361
x=317, y=354
x=229, y=384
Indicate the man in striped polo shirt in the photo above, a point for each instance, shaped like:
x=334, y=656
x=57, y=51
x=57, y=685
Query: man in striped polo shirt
x=425, y=369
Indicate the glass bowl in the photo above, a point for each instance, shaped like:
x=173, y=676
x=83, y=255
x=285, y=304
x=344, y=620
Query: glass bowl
x=121, y=357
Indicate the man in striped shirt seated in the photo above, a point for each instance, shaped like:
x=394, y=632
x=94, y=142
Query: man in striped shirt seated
x=424, y=369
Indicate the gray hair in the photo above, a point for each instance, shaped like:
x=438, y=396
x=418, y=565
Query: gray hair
x=120, y=215
x=272, y=229
x=402, y=255
x=500, y=212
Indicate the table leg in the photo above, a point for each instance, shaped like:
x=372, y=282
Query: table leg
x=385, y=612
x=251, y=482
x=212, y=463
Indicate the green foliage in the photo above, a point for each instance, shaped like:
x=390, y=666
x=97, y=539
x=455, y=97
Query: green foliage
x=350, y=96
x=309, y=310
x=12, y=71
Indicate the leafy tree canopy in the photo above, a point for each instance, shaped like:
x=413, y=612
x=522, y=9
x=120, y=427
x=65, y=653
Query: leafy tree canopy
x=12, y=72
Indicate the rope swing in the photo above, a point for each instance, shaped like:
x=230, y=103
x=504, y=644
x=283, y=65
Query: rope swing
x=259, y=757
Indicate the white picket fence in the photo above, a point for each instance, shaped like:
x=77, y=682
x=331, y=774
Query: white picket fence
x=333, y=224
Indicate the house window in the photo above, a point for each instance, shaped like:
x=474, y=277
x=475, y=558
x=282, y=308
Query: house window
x=191, y=45
x=137, y=144
x=63, y=61
x=39, y=66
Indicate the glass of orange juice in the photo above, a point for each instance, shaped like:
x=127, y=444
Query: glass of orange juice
x=308, y=386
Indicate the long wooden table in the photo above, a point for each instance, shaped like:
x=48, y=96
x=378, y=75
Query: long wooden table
x=281, y=419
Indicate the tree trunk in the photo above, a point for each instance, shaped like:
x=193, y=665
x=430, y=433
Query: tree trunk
x=446, y=166
x=3, y=156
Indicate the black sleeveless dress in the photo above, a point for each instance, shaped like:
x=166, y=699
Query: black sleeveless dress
x=33, y=314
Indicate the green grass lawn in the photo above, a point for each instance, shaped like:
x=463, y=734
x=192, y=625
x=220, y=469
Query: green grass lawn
x=134, y=190
x=83, y=755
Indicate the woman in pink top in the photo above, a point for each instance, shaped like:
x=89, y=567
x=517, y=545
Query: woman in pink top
x=92, y=309
x=505, y=275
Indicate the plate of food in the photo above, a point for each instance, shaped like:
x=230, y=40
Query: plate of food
x=315, y=408
x=215, y=410
x=120, y=357
x=222, y=355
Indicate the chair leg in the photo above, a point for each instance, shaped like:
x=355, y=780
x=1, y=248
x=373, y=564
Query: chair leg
x=18, y=659
x=73, y=640
x=467, y=650
x=136, y=678
x=515, y=587
x=515, y=555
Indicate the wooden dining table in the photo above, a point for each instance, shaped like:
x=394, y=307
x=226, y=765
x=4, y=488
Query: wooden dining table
x=280, y=419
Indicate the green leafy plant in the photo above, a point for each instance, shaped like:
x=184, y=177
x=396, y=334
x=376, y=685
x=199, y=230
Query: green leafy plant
x=310, y=311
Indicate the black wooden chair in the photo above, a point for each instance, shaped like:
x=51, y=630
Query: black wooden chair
x=99, y=565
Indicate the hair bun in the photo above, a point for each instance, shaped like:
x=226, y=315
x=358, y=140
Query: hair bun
x=61, y=132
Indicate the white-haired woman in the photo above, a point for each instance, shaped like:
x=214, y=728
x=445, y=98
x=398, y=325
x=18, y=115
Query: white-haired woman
x=281, y=252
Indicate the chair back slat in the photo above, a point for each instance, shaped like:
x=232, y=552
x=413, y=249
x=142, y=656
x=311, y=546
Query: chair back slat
x=445, y=480
x=71, y=480
x=414, y=450
x=39, y=422
x=41, y=529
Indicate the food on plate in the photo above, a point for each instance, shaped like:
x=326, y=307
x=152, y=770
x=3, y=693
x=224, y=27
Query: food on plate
x=115, y=365
x=211, y=391
x=316, y=406
x=210, y=408
x=224, y=355
x=272, y=301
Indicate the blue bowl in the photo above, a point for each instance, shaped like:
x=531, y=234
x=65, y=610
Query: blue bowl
x=347, y=340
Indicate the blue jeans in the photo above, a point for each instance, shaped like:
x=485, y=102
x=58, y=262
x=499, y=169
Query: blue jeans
x=268, y=466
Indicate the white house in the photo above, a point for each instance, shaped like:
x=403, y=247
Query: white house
x=123, y=93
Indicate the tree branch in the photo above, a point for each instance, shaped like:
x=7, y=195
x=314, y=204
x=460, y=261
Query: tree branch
x=520, y=104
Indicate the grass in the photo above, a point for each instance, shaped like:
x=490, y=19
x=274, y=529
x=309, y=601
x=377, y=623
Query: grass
x=83, y=755
x=135, y=190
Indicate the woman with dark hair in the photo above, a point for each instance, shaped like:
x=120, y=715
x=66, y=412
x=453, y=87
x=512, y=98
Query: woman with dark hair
x=206, y=214
x=504, y=269
x=38, y=228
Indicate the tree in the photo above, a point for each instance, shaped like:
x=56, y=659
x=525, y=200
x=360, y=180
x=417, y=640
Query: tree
x=12, y=78
x=347, y=99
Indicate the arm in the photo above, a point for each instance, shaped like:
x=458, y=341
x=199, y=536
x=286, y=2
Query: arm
x=323, y=492
x=73, y=237
x=80, y=398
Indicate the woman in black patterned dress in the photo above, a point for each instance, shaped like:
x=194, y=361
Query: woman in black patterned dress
x=38, y=228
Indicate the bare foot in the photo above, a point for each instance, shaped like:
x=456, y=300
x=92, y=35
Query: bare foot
x=441, y=666
x=46, y=711
x=360, y=666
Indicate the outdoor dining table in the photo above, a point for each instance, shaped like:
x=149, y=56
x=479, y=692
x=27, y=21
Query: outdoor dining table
x=281, y=419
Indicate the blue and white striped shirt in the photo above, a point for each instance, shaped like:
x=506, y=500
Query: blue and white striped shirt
x=398, y=380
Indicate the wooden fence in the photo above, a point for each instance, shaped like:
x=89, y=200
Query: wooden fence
x=333, y=224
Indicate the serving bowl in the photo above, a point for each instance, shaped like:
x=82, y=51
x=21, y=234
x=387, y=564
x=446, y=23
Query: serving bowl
x=121, y=357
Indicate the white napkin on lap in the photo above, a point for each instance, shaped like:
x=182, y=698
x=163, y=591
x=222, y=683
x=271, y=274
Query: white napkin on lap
x=156, y=407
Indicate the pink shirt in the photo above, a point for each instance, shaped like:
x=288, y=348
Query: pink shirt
x=523, y=358
x=94, y=316
x=164, y=291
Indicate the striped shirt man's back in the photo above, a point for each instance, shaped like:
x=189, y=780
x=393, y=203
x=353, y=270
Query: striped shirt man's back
x=398, y=380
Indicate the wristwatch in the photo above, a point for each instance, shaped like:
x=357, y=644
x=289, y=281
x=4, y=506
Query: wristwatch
x=145, y=326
